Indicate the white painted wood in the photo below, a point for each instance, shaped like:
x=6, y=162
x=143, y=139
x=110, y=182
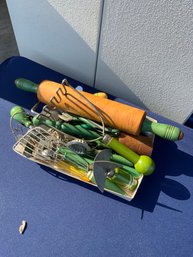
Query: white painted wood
x=59, y=34
x=146, y=54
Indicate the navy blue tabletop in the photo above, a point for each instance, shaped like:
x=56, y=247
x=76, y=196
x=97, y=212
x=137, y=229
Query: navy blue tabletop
x=68, y=218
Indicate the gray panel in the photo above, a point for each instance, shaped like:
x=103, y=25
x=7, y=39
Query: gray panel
x=59, y=34
x=8, y=46
x=146, y=54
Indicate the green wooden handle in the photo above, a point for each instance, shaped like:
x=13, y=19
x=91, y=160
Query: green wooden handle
x=123, y=179
x=73, y=130
x=142, y=163
x=163, y=130
x=26, y=85
x=120, y=159
x=18, y=114
x=37, y=121
x=109, y=185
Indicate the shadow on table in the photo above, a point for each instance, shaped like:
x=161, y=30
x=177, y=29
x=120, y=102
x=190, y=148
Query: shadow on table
x=147, y=196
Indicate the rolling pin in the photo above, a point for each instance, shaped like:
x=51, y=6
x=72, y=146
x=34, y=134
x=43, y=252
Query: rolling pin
x=139, y=144
x=116, y=115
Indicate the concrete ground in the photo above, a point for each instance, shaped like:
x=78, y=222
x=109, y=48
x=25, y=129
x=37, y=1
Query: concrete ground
x=8, y=45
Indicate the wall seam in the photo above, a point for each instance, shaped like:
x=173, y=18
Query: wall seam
x=98, y=41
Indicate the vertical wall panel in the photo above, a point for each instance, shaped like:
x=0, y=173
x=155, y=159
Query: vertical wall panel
x=146, y=54
x=59, y=34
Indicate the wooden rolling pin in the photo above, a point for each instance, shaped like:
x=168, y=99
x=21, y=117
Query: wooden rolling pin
x=139, y=144
x=116, y=115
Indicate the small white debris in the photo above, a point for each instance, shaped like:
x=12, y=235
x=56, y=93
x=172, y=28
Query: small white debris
x=22, y=227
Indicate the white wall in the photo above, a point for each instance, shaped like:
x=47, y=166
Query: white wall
x=145, y=54
x=59, y=34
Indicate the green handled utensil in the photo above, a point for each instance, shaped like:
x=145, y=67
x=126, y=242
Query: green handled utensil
x=19, y=114
x=80, y=162
x=104, y=169
x=142, y=163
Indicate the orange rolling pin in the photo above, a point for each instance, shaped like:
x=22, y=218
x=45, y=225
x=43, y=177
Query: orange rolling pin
x=116, y=115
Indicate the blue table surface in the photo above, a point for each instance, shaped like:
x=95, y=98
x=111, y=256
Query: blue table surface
x=69, y=218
